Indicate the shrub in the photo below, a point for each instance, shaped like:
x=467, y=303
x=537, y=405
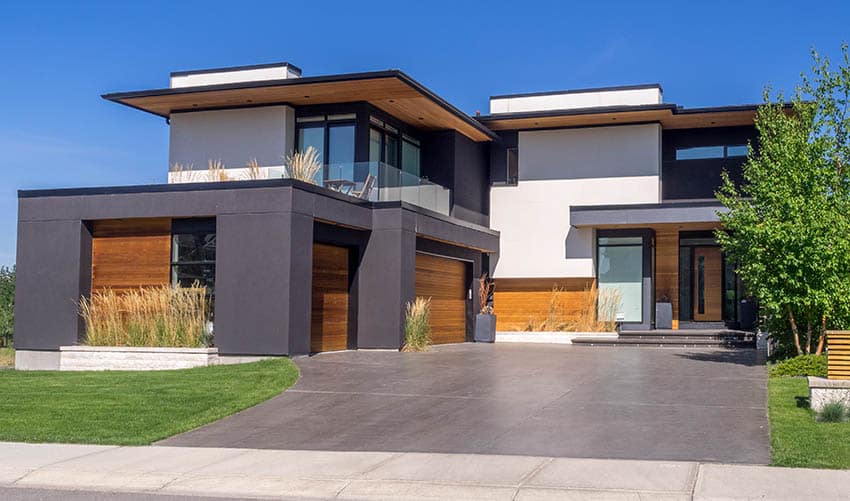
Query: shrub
x=7, y=305
x=833, y=412
x=803, y=365
x=153, y=316
x=417, y=329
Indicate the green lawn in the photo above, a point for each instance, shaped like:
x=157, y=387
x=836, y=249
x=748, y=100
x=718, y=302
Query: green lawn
x=131, y=408
x=796, y=438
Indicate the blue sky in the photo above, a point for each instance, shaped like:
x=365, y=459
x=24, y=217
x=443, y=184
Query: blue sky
x=59, y=57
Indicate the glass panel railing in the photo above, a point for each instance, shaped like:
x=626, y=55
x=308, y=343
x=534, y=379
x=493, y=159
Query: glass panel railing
x=379, y=182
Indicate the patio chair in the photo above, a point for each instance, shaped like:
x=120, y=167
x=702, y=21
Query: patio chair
x=366, y=190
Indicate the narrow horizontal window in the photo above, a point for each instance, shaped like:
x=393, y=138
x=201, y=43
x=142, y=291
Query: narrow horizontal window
x=344, y=116
x=376, y=121
x=699, y=152
x=620, y=240
x=317, y=118
x=737, y=150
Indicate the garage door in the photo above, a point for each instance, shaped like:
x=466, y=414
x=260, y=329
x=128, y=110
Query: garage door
x=444, y=281
x=329, y=325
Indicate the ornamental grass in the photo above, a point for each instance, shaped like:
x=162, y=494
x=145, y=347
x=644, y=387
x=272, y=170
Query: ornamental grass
x=161, y=316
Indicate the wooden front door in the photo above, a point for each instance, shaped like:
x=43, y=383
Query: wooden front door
x=329, y=325
x=444, y=281
x=708, y=284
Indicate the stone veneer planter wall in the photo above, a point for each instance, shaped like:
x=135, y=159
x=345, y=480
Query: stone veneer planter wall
x=558, y=337
x=121, y=358
x=823, y=391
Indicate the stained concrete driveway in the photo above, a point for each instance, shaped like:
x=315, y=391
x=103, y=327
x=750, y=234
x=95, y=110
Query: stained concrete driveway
x=541, y=400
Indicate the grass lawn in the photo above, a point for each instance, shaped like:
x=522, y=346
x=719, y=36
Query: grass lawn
x=131, y=408
x=7, y=357
x=796, y=438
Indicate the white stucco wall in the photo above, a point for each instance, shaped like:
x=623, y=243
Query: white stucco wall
x=561, y=168
x=224, y=76
x=232, y=136
x=574, y=100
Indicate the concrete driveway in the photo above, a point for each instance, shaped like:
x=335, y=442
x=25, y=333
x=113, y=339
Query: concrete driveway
x=541, y=400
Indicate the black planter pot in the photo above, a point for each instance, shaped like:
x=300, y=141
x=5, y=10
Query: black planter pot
x=663, y=315
x=485, y=328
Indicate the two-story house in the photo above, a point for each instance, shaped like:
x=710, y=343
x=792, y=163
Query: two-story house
x=412, y=197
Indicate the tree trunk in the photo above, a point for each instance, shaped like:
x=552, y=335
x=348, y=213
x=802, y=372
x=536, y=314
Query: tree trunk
x=822, y=339
x=808, y=336
x=794, y=330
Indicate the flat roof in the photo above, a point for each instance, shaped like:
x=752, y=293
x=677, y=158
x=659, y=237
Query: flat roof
x=669, y=115
x=580, y=91
x=392, y=91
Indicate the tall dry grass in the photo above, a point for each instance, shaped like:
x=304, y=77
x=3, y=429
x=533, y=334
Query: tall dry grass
x=417, y=328
x=254, y=171
x=485, y=292
x=217, y=171
x=155, y=316
x=303, y=165
x=594, y=312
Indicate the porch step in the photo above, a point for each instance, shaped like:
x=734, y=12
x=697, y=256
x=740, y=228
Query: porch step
x=675, y=339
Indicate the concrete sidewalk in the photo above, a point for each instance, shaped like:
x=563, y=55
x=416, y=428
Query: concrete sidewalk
x=285, y=474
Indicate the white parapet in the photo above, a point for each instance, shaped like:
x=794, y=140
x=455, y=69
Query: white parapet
x=823, y=391
x=122, y=358
x=557, y=337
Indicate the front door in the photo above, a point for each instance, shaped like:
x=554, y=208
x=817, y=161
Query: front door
x=708, y=284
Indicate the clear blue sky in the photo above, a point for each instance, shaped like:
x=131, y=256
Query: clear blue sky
x=59, y=57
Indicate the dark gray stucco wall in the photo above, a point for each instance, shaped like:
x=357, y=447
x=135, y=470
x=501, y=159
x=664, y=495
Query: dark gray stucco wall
x=53, y=272
x=263, y=262
x=263, y=283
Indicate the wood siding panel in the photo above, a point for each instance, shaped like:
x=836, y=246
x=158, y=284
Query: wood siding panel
x=131, y=253
x=444, y=281
x=838, y=355
x=329, y=319
x=667, y=267
x=713, y=284
x=518, y=300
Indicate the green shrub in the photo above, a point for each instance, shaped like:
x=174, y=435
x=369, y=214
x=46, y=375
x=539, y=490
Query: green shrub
x=833, y=412
x=417, y=329
x=804, y=365
x=7, y=305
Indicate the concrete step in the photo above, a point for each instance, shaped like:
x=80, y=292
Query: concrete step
x=688, y=336
x=666, y=343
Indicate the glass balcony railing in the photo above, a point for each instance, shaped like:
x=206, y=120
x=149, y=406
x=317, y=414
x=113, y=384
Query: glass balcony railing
x=377, y=182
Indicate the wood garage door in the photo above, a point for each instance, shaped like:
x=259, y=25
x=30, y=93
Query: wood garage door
x=329, y=325
x=444, y=281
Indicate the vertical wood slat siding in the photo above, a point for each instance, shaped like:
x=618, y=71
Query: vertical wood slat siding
x=130, y=253
x=516, y=300
x=444, y=281
x=838, y=357
x=329, y=317
x=667, y=268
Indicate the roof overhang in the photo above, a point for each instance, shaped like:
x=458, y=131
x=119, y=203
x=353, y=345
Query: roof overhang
x=636, y=215
x=670, y=116
x=392, y=91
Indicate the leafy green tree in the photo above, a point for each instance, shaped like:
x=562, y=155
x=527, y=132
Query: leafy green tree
x=7, y=304
x=788, y=224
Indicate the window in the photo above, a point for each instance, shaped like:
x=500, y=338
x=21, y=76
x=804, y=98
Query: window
x=620, y=275
x=333, y=138
x=705, y=152
x=396, y=150
x=512, y=166
x=193, y=253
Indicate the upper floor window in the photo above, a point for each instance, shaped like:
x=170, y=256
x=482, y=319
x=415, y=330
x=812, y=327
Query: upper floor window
x=333, y=138
x=388, y=145
x=707, y=152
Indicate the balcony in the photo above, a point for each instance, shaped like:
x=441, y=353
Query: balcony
x=373, y=181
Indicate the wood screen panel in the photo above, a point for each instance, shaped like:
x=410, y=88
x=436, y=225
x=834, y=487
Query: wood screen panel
x=838, y=356
x=444, y=281
x=329, y=318
x=667, y=268
x=130, y=253
x=518, y=301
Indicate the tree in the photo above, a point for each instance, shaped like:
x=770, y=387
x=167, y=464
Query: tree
x=788, y=223
x=7, y=304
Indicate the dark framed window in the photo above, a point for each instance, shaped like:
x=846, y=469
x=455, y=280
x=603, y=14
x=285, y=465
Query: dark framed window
x=333, y=138
x=193, y=253
x=388, y=145
x=716, y=151
x=512, y=163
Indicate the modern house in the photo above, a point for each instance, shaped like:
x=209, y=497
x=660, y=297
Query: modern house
x=609, y=187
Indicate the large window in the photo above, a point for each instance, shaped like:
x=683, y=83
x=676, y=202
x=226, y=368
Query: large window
x=620, y=278
x=193, y=253
x=389, y=146
x=333, y=138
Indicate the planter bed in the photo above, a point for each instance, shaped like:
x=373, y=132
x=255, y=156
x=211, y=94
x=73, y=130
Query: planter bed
x=122, y=358
x=548, y=337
